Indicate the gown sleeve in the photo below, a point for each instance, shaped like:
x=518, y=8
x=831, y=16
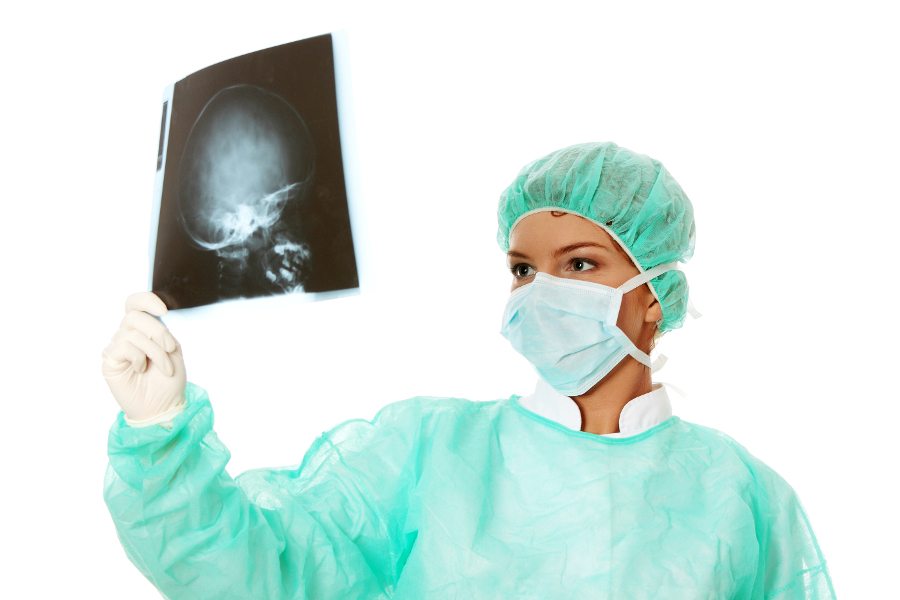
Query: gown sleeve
x=331, y=528
x=792, y=566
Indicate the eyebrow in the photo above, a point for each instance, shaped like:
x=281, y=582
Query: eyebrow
x=563, y=250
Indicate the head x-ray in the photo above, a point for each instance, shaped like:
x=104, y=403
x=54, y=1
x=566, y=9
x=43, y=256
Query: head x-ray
x=250, y=181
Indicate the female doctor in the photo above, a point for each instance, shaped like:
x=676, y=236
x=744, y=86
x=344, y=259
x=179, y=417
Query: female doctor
x=587, y=488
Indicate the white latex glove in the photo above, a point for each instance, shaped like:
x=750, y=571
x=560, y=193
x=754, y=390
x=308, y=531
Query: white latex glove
x=143, y=364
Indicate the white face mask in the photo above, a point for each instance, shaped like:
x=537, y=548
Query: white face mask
x=567, y=328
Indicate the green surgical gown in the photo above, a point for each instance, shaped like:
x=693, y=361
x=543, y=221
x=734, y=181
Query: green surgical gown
x=451, y=498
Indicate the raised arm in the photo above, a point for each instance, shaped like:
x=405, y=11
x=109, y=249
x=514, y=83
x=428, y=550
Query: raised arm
x=331, y=528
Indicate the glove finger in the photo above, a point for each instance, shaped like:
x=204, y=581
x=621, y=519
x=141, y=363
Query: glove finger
x=153, y=351
x=127, y=345
x=119, y=355
x=178, y=360
x=151, y=327
x=147, y=302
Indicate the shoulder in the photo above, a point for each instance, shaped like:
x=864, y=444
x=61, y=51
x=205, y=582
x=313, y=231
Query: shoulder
x=408, y=417
x=791, y=562
x=435, y=410
x=728, y=452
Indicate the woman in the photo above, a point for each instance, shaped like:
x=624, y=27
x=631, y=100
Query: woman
x=587, y=488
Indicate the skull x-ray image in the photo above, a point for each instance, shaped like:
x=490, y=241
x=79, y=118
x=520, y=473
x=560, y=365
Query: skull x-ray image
x=252, y=196
x=248, y=156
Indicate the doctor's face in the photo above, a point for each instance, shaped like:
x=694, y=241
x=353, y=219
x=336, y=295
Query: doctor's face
x=568, y=245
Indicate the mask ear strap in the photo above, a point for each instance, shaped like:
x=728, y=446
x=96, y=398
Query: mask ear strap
x=644, y=358
x=642, y=278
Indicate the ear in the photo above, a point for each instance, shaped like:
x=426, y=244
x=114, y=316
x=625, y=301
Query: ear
x=654, y=311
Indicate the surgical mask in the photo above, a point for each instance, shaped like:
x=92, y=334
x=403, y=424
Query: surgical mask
x=567, y=328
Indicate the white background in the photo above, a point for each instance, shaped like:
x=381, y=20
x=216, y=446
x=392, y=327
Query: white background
x=779, y=120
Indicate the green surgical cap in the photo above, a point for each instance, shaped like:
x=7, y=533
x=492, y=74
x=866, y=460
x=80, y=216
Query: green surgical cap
x=631, y=196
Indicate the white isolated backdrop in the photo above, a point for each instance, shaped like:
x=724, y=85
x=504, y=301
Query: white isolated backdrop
x=777, y=118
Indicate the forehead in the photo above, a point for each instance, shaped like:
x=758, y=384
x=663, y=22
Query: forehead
x=553, y=227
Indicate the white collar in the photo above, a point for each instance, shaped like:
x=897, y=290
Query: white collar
x=640, y=413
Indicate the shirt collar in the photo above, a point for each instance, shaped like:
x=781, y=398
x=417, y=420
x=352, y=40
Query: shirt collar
x=640, y=413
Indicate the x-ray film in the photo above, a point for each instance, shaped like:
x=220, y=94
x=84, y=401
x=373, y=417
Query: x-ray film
x=250, y=192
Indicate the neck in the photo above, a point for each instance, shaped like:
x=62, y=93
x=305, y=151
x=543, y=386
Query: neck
x=601, y=405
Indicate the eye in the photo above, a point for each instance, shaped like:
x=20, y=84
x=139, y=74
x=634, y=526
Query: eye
x=582, y=264
x=521, y=270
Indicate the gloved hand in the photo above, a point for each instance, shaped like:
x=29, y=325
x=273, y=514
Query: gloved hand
x=143, y=365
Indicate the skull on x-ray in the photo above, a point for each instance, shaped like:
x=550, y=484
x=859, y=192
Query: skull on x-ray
x=249, y=156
